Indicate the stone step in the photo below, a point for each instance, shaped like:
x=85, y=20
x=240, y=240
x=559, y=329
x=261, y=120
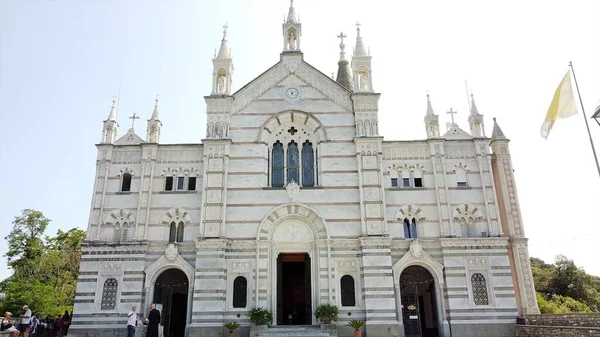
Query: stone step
x=294, y=331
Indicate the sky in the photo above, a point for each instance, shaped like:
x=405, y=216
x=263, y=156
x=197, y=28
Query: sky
x=61, y=63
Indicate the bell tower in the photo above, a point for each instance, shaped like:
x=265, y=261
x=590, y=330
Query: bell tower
x=222, y=68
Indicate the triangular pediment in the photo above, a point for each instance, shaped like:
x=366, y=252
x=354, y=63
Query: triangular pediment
x=130, y=138
x=456, y=133
x=291, y=72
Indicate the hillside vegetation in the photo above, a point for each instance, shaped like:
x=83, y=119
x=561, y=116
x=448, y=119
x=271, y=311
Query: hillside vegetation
x=562, y=287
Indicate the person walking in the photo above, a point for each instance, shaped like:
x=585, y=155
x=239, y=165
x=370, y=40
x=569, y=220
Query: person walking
x=153, y=321
x=64, y=322
x=131, y=322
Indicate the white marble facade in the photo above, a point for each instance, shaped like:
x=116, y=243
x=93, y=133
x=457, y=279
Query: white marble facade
x=227, y=216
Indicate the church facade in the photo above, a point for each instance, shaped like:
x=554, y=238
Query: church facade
x=294, y=200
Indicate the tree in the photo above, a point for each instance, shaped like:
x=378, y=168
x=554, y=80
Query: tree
x=25, y=239
x=45, y=269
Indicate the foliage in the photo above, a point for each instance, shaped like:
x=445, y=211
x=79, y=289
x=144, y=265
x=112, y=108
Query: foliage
x=356, y=324
x=260, y=316
x=328, y=311
x=231, y=326
x=45, y=269
x=564, y=288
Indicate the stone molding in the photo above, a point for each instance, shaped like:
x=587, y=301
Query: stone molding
x=165, y=262
x=418, y=257
x=292, y=211
x=177, y=215
x=470, y=243
x=119, y=216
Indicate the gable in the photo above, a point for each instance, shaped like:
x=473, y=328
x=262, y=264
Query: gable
x=291, y=72
x=456, y=133
x=130, y=138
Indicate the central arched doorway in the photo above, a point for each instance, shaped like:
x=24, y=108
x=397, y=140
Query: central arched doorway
x=171, y=291
x=419, y=308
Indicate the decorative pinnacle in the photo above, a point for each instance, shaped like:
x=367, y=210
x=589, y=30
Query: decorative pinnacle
x=155, y=112
x=342, y=46
x=357, y=28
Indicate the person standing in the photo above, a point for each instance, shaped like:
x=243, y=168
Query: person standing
x=131, y=322
x=24, y=326
x=153, y=321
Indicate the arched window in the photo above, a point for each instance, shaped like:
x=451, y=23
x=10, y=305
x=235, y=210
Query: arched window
x=480, y=293
x=124, y=232
x=347, y=291
x=126, y=182
x=394, y=177
x=117, y=232
x=410, y=228
x=418, y=178
x=405, y=178
x=109, y=294
x=180, y=232
x=240, y=290
x=461, y=177
x=308, y=176
x=172, y=232
x=293, y=162
x=278, y=165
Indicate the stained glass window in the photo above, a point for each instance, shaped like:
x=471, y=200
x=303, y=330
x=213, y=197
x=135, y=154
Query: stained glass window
x=293, y=162
x=480, y=293
x=172, y=232
x=308, y=177
x=180, y=232
x=109, y=294
x=278, y=162
x=124, y=232
x=240, y=290
x=347, y=290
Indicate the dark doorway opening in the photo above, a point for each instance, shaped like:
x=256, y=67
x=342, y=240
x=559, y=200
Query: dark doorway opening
x=294, y=305
x=171, y=290
x=419, y=309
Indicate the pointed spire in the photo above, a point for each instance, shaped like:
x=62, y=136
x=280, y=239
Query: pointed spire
x=474, y=110
x=343, y=76
x=429, y=107
x=155, y=112
x=291, y=17
x=359, y=49
x=497, y=132
x=112, y=115
x=224, y=50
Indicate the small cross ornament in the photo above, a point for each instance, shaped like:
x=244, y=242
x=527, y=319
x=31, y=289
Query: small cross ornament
x=133, y=118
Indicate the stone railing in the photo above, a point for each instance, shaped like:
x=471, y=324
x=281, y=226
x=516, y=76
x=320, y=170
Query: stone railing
x=560, y=325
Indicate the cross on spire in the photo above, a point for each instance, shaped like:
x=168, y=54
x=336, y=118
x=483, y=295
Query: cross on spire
x=452, y=113
x=133, y=118
x=341, y=37
x=225, y=31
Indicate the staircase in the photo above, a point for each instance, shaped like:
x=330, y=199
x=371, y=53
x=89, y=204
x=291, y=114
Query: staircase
x=294, y=331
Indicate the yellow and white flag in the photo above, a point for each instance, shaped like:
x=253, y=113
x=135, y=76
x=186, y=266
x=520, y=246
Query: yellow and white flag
x=562, y=106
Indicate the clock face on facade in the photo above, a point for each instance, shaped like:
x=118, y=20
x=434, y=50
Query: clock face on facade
x=292, y=93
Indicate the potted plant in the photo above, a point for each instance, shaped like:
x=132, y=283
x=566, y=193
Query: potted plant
x=260, y=316
x=327, y=313
x=356, y=325
x=231, y=326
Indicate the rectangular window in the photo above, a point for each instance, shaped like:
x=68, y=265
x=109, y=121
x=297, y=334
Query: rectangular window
x=418, y=182
x=461, y=184
x=394, y=182
x=180, y=184
x=168, y=183
x=406, y=182
x=191, y=183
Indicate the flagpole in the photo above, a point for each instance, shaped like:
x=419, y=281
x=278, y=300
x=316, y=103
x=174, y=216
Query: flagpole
x=585, y=118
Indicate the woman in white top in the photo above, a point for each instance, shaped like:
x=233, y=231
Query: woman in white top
x=8, y=325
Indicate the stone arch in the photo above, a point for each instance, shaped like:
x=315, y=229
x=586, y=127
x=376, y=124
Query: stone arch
x=281, y=214
x=467, y=212
x=410, y=212
x=417, y=257
x=176, y=214
x=290, y=117
x=119, y=216
x=125, y=170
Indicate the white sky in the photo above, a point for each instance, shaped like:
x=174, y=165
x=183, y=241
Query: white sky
x=62, y=61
